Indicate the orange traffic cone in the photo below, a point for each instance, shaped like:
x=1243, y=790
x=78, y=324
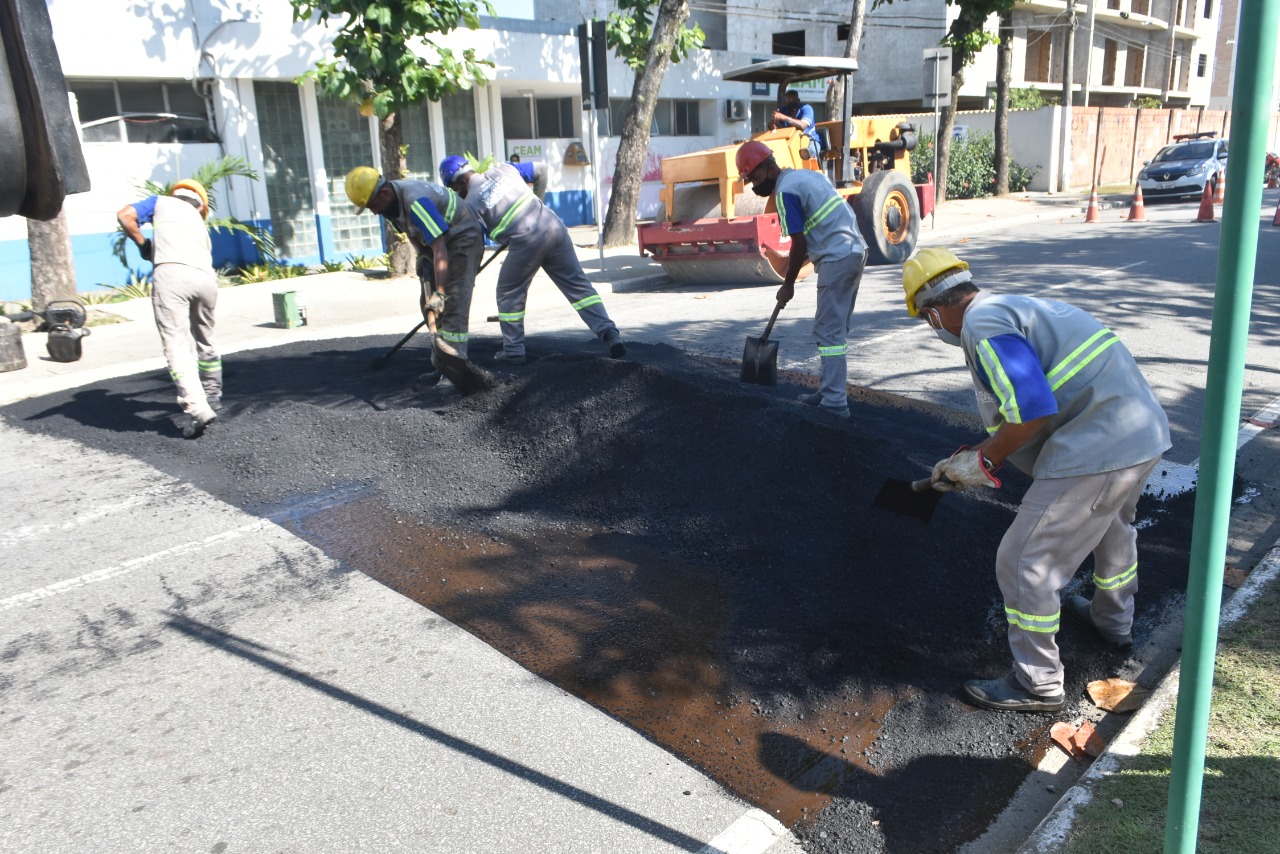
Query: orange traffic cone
x=1093, y=214
x=1220, y=187
x=1206, y=205
x=1276, y=219
x=1137, y=212
x=1272, y=182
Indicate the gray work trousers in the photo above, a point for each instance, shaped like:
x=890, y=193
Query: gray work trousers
x=1060, y=521
x=546, y=246
x=453, y=324
x=183, y=299
x=838, y=283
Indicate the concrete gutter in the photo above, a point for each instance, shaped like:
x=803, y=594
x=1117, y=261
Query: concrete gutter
x=1054, y=830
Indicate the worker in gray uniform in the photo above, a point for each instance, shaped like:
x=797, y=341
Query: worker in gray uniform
x=184, y=294
x=1065, y=402
x=446, y=237
x=824, y=229
x=534, y=238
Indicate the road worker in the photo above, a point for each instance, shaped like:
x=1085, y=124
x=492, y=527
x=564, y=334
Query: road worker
x=446, y=237
x=534, y=174
x=823, y=229
x=535, y=238
x=1064, y=401
x=184, y=293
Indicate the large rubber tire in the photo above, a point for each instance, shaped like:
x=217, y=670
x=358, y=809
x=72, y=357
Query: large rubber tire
x=889, y=216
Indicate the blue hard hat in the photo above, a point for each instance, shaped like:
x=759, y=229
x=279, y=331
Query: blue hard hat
x=452, y=167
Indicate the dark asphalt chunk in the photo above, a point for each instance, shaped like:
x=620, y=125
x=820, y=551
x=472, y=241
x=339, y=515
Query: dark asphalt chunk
x=698, y=557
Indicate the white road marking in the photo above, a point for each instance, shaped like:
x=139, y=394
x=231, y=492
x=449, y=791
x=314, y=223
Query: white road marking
x=30, y=532
x=128, y=566
x=754, y=833
x=1170, y=479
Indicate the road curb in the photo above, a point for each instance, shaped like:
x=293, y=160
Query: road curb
x=1053, y=831
x=640, y=283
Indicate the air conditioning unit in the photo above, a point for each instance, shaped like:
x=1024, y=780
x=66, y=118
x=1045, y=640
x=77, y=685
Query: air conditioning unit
x=735, y=111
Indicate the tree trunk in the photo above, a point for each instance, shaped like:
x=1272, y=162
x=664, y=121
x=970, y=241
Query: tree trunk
x=391, y=141
x=633, y=142
x=1004, y=62
x=53, y=272
x=835, y=94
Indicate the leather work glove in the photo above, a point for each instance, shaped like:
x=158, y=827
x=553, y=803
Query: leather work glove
x=433, y=303
x=147, y=250
x=963, y=469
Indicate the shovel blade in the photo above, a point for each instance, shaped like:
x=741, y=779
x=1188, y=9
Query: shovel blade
x=466, y=377
x=898, y=496
x=760, y=362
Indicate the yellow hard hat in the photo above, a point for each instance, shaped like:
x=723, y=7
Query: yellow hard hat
x=925, y=266
x=362, y=183
x=196, y=187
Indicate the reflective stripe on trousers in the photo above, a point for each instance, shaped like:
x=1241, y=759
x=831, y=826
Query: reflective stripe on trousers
x=838, y=283
x=465, y=251
x=1060, y=521
x=183, y=301
x=549, y=247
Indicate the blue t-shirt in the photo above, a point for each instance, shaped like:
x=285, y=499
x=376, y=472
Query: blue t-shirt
x=146, y=209
x=804, y=113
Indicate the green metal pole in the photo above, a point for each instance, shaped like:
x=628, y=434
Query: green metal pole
x=1251, y=107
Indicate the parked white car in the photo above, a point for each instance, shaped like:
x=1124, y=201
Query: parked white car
x=1183, y=167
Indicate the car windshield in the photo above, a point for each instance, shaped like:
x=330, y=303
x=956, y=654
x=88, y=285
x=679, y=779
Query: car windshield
x=1185, y=151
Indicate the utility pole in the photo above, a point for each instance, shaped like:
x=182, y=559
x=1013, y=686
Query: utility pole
x=1088, y=56
x=1064, y=149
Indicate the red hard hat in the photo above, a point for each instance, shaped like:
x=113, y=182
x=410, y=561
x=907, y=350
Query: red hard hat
x=751, y=154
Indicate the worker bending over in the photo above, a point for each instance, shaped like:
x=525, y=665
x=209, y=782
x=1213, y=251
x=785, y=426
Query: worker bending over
x=534, y=174
x=535, y=238
x=184, y=294
x=444, y=234
x=1064, y=401
x=824, y=229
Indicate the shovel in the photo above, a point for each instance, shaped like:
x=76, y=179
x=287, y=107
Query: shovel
x=466, y=377
x=760, y=356
x=916, y=499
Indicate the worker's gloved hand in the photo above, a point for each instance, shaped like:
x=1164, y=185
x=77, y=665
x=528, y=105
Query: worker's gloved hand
x=147, y=250
x=963, y=469
x=785, y=293
x=433, y=303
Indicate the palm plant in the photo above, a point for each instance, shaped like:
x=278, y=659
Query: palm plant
x=209, y=174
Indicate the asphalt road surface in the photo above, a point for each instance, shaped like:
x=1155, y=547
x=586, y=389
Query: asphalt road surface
x=212, y=645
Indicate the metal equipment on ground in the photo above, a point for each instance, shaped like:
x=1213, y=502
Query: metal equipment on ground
x=710, y=231
x=760, y=355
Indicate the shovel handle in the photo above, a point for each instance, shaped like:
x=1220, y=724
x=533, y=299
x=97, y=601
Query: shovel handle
x=772, y=319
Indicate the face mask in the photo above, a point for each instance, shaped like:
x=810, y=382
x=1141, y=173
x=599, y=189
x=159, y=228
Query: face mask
x=764, y=188
x=935, y=323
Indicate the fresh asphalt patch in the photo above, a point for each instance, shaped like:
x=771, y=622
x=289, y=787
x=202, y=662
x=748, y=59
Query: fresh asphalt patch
x=697, y=557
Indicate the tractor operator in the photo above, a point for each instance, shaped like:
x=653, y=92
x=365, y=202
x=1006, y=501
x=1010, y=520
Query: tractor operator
x=824, y=229
x=1065, y=402
x=446, y=237
x=793, y=113
x=184, y=294
x=535, y=238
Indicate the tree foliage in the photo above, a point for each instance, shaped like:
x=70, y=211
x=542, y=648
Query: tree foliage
x=629, y=31
x=375, y=60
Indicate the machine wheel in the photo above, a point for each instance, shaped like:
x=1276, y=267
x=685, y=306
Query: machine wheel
x=889, y=217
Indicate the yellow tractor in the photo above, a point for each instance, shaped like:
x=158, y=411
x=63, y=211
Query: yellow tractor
x=709, y=231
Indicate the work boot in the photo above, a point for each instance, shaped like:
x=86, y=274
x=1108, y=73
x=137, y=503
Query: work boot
x=504, y=358
x=199, y=421
x=1008, y=695
x=613, y=340
x=427, y=380
x=1081, y=609
x=815, y=399
x=215, y=402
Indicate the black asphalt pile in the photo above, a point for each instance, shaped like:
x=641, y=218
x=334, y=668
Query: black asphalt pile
x=698, y=557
